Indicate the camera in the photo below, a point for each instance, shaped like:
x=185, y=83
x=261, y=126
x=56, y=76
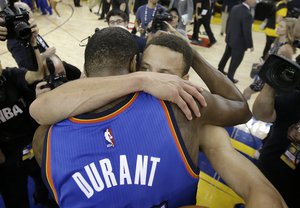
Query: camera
x=158, y=20
x=53, y=80
x=281, y=73
x=16, y=22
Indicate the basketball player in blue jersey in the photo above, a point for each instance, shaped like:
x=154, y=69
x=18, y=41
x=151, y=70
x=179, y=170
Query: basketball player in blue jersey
x=122, y=156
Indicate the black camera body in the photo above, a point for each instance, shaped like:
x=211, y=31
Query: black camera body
x=281, y=73
x=16, y=22
x=53, y=80
x=158, y=20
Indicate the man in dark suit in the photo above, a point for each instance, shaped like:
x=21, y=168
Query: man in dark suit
x=226, y=8
x=238, y=37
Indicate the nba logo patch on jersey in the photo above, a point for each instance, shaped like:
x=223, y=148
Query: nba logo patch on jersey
x=109, y=138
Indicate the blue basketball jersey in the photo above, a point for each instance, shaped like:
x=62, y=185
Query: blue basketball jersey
x=131, y=155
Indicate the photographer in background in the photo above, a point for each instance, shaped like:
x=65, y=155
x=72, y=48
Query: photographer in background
x=185, y=9
x=17, y=129
x=176, y=19
x=55, y=75
x=119, y=18
x=19, y=47
x=145, y=14
x=283, y=46
x=279, y=156
x=23, y=54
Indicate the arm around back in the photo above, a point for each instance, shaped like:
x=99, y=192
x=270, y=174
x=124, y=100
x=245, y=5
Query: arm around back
x=85, y=95
x=237, y=171
x=226, y=105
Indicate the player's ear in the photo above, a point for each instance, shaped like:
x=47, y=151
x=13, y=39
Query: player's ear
x=133, y=64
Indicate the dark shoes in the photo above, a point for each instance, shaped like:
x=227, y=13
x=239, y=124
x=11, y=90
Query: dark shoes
x=78, y=5
x=234, y=80
x=212, y=43
x=197, y=42
x=223, y=72
x=91, y=10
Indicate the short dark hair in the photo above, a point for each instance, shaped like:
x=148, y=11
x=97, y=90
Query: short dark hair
x=175, y=10
x=117, y=12
x=175, y=44
x=111, y=49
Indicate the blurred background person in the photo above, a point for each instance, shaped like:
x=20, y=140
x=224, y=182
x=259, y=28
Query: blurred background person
x=238, y=37
x=279, y=156
x=203, y=17
x=145, y=14
x=185, y=10
x=17, y=129
x=283, y=46
x=226, y=8
x=77, y=3
x=121, y=5
x=105, y=8
x=278, y=12
x=45, y=6
x=93, y=3
x=54, y=5
x=119, y=18
x=175, y=22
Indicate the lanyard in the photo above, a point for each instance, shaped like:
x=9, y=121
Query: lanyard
x=146, y=15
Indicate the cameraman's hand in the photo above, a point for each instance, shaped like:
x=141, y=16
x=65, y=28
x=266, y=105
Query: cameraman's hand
x=40, y=89
x=170, y=28
x=141, y=30
x=173, y=31
x=293, y=133
x=48, y=52
x=3, y=30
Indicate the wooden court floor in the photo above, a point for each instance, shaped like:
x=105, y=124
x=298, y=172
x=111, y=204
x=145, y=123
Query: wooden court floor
x=77, y=23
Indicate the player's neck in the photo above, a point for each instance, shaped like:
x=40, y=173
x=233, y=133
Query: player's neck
x=110, y=105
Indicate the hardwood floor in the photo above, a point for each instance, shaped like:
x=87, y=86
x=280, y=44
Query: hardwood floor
x=77, y=23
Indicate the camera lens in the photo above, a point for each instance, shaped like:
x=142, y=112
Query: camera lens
x=288, y=75
x=285, y=76
x=23, y=31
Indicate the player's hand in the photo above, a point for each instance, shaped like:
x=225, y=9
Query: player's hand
x=176, y=90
